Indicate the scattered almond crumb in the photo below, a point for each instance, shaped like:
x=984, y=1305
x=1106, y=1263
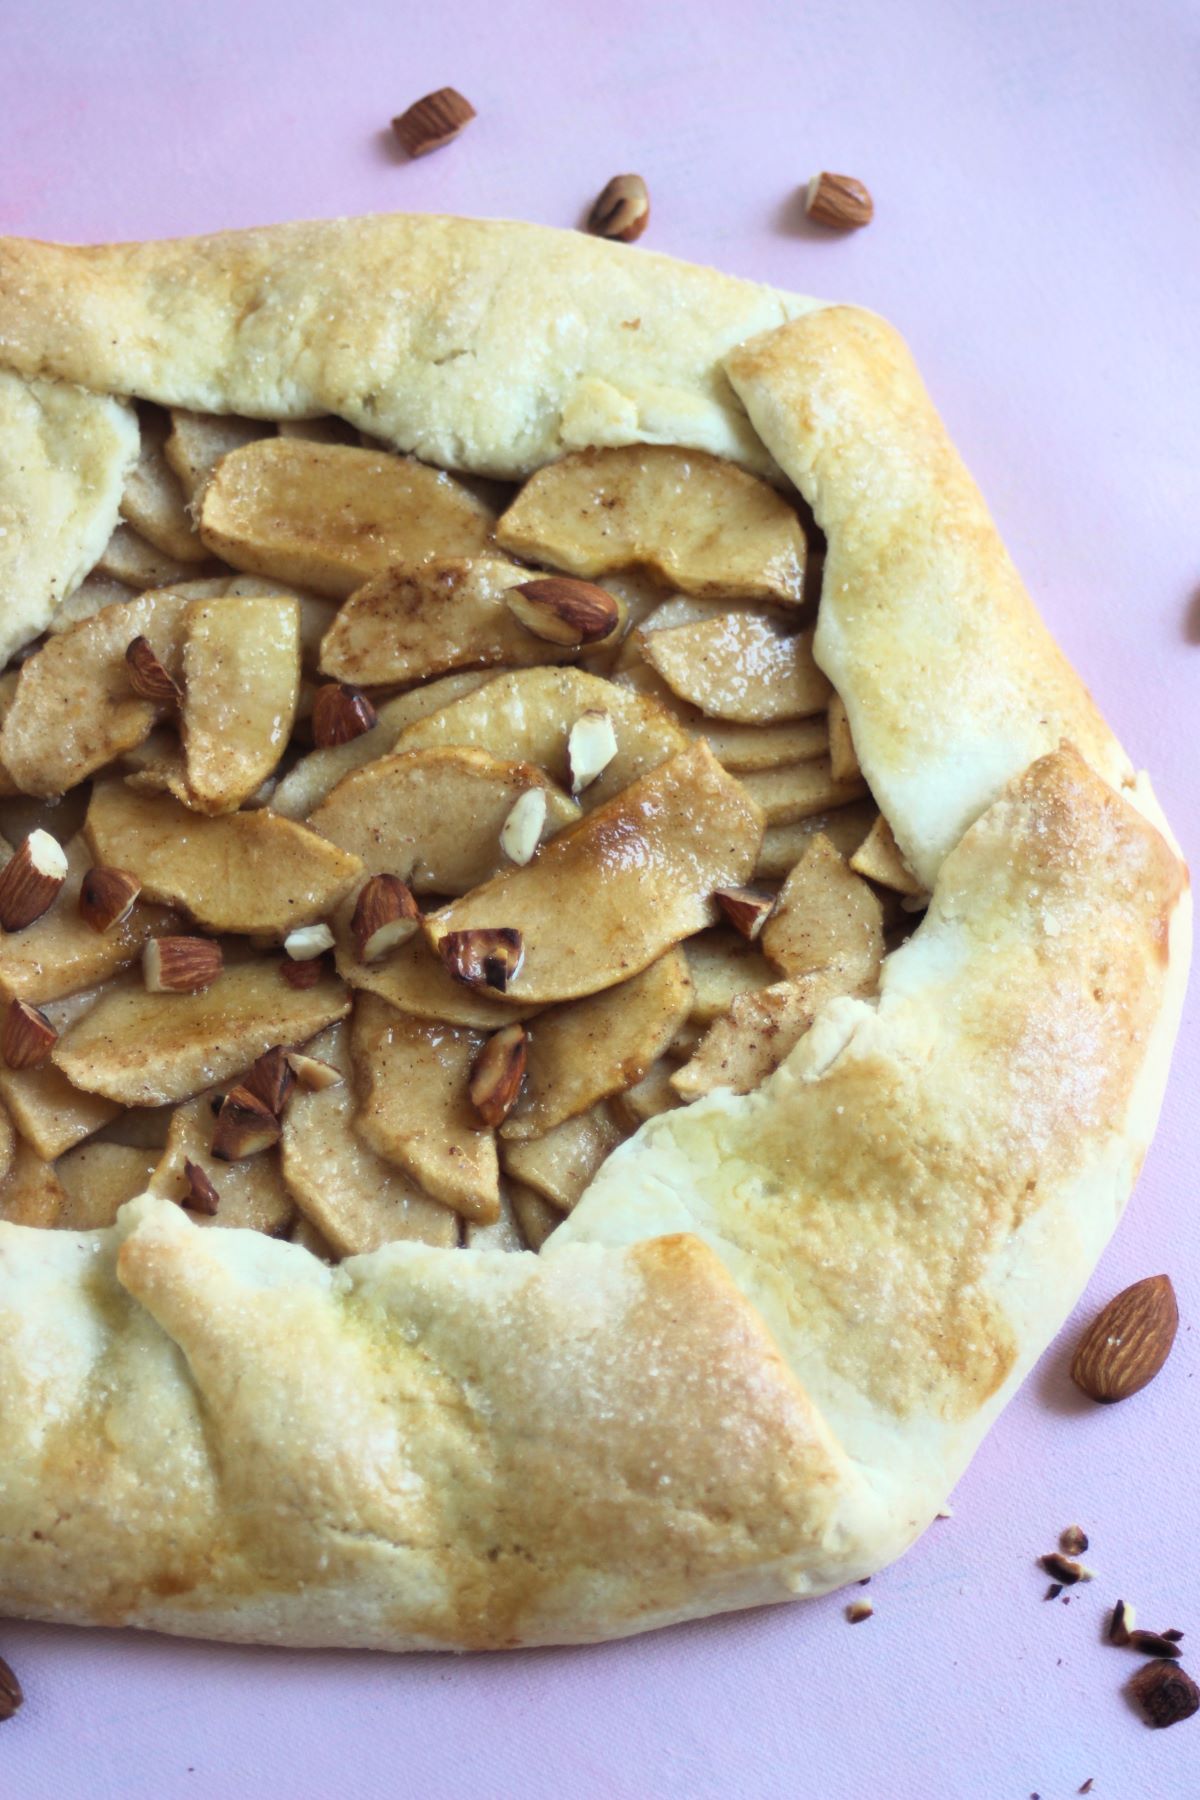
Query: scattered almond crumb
x=858, y=1610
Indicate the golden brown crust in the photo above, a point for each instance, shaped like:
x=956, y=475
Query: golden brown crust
x=951, y=681
x=757, y=1356
x=478, y=344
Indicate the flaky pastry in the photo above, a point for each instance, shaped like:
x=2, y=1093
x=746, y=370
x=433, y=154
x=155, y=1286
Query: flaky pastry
x=758, y=1354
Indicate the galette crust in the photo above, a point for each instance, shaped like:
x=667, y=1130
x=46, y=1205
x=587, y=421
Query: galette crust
x=65, y=457
x=758, y=1355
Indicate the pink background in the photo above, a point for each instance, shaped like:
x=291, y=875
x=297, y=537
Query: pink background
x=1033, y=164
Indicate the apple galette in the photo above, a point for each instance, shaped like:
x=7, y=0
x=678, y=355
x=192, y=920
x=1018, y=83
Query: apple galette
x=512, y=744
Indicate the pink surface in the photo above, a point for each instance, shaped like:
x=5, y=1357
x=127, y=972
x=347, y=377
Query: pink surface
x=1036, y=237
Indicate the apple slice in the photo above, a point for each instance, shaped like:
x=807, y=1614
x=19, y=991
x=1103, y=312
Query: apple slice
x=49, y=1112
x=583, y=1052
x=652, y=1095
x=503, y=1236
x=744, y=749
x=740, y=666
x=355, y=1199
x=241, y=670
x=843, y=759
x=560, y=1165
x=533, y=1216
x=197, y=442
x=415, y=979
x=143, y=1049
x=800, y=790
x=130, y=559
x=723, y=965
x=308, y=782
x=74, y=709
x=414, y=1110
x=31, y=1193
x=153, y=500
x=97, y=1180
x=878, y=857
x=825, y=914
x=758, y=1032
x=245, y=871
x=606, y=897
x=330, y=517
x=695, y=521
x=413, y=622
x=528, y=716
x=434, y=817
x=784, y=845
x=251, y=1191
x=60, y=953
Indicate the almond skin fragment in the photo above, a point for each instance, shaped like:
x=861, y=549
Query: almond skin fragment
x=28, y=1037
x=202, y=1196
x=486, y=957
x=1128, y=1341
x=621, y=210
x=181, y=965
x=838, y=201
x=340, y=714
x=498, y=1074
x=30, y=880
x=271, y=1079
x=747, y=909
x=433, y=120
x=1166, y=1693
x=147, y=676
x=561, y=610
x=244, y=1126
x=107, y=897
x=1073, y=1541
x=385, y=915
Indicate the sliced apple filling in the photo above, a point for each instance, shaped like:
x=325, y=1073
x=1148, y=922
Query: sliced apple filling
x=385, y=850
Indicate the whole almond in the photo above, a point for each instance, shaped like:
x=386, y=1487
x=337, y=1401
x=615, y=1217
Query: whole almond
x=1128, y=1341
x=838, y=201
x=340, y=714
x=385, y=915
x=147, y=676
x=560, y=610
x=107, y=897
x=621, y=210
x=30, y=880
x=498, y=1074
x=28, y=1037
x=433, y=120
x=181, y=965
